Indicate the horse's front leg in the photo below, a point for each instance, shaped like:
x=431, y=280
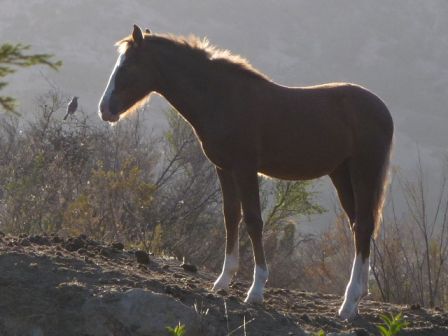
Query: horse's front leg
x=247, y=184
x=232, y=217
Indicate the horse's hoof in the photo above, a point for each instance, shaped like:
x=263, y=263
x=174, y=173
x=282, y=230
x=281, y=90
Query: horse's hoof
x=348, y=312
x=220, y=285
x=254, y=298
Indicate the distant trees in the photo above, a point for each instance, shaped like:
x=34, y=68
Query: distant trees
x=122, y=183
x=162, y=194
x=13, y=56
x=71, y=177
x=410, y=261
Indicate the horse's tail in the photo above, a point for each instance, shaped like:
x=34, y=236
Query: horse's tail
x=381, y=189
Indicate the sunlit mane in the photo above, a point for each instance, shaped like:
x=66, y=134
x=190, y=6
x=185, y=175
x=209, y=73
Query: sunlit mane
x=200, y=47
x=124, y=44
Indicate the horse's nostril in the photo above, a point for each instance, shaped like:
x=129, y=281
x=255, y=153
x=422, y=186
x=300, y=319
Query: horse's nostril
x=106, y=113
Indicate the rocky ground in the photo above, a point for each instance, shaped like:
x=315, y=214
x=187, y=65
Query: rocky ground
x=77, y=286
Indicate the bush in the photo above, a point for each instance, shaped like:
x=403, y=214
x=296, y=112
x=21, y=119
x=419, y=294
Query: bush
x=120, y=183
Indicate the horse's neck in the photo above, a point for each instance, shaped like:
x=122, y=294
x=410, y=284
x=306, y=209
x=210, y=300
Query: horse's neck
x=187, y=91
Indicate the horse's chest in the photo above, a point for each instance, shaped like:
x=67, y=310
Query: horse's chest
x=217, y=153
x=222, y=148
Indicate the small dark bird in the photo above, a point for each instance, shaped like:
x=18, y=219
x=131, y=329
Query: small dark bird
x=71, y=107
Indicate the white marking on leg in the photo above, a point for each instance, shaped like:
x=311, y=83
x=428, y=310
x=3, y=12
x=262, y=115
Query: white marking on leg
x=229, y=268
x=357, y=288
x=104, y=107
x=255, y=293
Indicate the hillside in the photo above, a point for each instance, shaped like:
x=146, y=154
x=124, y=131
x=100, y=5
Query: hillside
x=76, y=286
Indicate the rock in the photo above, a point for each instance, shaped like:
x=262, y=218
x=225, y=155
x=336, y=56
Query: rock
x=142, y=267
x=49, y=291
x=82, y=237
x=148, y=313
x=415, y=306
x=178, y=275
x=82, y=250
x=361, y=332
x=39, y=240
x=106, y=252
x=57, y=239
x=142, y=257
x=305, y=318
x=118, y=246
x=74, y=244
x=24, y=242
x=222, y=292
x=189, y=268
x=210, y=296
x=233, y=298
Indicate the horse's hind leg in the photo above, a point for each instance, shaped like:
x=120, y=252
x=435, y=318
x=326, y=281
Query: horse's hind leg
x=342, y=181
x=368, y=187
x=232, y=217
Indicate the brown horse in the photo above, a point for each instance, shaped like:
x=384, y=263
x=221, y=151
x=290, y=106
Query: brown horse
x=247, y=124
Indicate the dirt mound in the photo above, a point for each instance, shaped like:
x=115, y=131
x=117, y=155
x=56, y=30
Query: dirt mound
x=77, y=286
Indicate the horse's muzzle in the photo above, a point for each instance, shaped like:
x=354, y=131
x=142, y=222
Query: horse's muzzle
x=106, y=113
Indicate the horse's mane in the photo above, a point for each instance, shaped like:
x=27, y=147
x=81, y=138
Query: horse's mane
x=200, y=48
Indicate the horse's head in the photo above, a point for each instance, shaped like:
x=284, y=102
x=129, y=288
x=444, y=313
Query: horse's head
x=131, y=79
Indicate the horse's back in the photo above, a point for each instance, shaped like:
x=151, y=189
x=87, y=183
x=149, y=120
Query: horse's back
x=307, y=132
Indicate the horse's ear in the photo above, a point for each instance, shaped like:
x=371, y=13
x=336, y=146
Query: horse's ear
x=147, y=31
x=137, y=35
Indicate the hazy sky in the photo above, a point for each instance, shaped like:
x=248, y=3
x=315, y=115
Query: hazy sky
x=398, y=49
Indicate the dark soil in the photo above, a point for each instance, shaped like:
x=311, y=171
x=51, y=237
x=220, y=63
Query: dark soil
x=33, y=267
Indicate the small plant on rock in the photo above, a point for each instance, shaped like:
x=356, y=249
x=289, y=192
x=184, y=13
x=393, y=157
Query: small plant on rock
x=391, y=325
x=178, y=330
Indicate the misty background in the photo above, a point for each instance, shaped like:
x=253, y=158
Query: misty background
x=397, y=49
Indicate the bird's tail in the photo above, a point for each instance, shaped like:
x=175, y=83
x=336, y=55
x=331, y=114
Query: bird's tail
x=66, y=116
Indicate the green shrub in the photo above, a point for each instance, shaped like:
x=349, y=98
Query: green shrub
x=391, y=325
x=178, y=330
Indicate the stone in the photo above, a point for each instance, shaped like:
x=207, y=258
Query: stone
x=189, y=268
x=147, y=312
x=142, y=257
x=74, y=244
x=118, y=246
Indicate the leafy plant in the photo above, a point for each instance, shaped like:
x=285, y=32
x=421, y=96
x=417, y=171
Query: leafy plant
x=319, y=333
x=391, y=325
x=178, y=330
x=13, y=56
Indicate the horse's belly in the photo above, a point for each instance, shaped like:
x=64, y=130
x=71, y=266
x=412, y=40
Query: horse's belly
x=296, y=172
x=302, y=165
x=304, y=150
